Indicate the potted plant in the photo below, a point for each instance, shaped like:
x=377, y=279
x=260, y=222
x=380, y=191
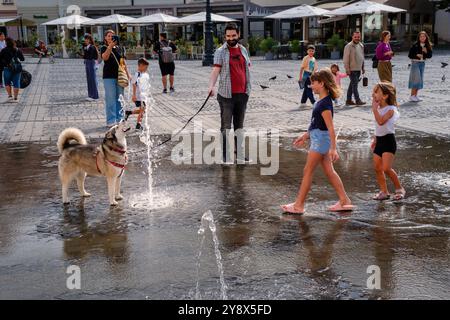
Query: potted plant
x=295, y=47
x=254, y=44
x=336, y=44
x=182, y=51
x=267, y=46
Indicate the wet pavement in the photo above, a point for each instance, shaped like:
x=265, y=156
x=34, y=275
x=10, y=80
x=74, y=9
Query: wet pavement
x=138, y=251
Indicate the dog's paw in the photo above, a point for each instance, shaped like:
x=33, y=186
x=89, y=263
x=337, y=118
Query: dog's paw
x=113, y=204
x=86, y=194
x=119, y=197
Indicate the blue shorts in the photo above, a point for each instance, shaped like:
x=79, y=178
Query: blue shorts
x=320, y=141
x=10, y=78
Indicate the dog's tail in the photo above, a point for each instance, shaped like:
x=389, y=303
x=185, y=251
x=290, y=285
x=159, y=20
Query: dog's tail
x=70, y=134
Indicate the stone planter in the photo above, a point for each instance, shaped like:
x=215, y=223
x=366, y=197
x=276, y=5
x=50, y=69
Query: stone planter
x=335, y=55
x=268, y=56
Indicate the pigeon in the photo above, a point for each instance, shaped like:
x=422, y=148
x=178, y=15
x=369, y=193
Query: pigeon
x=444, y=64
x=393, y=65
x=289, y=77
x=263, y=87
x=273, y=78
x=443, y=78
x=409, y=65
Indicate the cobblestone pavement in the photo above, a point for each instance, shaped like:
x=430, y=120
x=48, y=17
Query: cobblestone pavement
x=56, y=100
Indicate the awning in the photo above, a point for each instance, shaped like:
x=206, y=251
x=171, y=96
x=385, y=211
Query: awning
x=332, y=19
x=15, y=21
x=333, y=5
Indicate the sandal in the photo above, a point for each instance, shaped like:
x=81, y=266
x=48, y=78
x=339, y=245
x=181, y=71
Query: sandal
x=399, y=194
x=289, y=208
x=337, y=207
x=381, y=196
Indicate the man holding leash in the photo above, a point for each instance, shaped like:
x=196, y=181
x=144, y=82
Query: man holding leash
x=231, y=62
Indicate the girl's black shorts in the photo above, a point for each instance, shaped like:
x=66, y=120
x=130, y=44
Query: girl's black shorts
x=384, y=144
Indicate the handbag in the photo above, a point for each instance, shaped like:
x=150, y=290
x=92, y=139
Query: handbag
x=365, y=81
x=25, y=79
x=374, y=62
x=122, y=77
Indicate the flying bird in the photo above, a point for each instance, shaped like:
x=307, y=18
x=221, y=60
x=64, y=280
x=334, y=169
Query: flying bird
x=263, y=87
x=273, y=78
x=289, y=77
x=444, y=64
x=443, y=78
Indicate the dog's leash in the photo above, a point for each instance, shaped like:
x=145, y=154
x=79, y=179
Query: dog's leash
x=190, y=119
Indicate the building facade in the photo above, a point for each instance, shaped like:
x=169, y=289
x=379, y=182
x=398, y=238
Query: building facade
x=404, y=27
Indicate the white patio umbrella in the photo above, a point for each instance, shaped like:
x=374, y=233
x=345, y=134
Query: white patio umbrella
x=112, y=19
x=364, y=7
x=304, y=11
x=73, y=21
x=201, y=17
x=155, y=18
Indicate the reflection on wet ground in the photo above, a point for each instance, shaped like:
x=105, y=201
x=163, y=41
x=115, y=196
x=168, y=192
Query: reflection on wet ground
x=133, y=252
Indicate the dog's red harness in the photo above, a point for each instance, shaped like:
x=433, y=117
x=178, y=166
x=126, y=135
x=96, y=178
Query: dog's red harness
x=115, y=164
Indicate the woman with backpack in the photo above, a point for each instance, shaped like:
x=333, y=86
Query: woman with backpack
x=165, y=50
x=114, y=78
x=10, y=58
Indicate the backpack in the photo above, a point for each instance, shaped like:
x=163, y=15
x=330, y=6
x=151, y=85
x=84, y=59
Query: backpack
x=166, y=53
x=15, y=66
x=374, y=62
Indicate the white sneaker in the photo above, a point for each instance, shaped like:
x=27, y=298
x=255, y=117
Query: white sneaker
x=89, y=99
x=15, y=100
x=418, y=99
x=413, y=99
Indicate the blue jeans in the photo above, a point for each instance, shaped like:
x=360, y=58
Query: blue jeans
x=91, y=77
x=353, y=86
x=307, y=92
x=11, y=78
x=113, y=108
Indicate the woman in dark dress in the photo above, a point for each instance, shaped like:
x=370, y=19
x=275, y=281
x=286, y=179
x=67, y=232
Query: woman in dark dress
x=90, y=59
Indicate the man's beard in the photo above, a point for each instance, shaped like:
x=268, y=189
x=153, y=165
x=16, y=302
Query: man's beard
x=232, y=43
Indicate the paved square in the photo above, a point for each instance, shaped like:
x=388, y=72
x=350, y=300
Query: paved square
x=56, y=100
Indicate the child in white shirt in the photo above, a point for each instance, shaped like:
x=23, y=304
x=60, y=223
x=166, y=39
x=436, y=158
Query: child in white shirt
x=140, y=77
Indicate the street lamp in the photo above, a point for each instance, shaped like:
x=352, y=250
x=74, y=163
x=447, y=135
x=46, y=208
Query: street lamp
x=208, y=59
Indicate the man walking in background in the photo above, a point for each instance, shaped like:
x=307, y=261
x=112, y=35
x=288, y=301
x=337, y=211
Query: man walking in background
x=165, y=50
x=354, y=66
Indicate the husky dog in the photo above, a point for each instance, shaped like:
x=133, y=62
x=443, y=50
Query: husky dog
x=79, y=159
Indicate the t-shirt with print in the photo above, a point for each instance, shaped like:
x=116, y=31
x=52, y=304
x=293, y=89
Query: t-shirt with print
x=237, y=71
x=139, y=79
x=317, y=121
x=110, y=67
